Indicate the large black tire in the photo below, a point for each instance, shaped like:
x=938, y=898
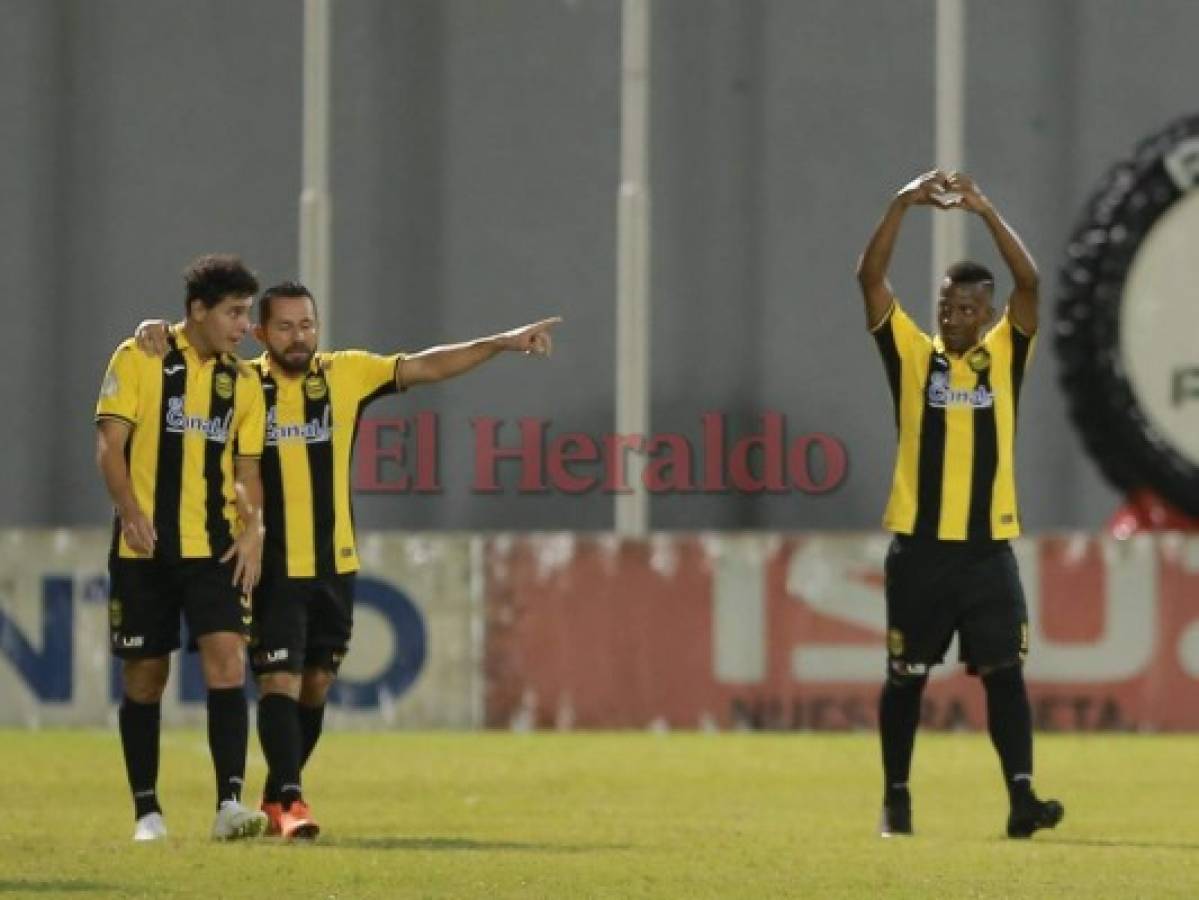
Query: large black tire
x=1129, y=450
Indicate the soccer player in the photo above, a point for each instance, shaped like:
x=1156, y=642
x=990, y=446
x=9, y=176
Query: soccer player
x=952, y=507
x=303, y=607
x=178, y=444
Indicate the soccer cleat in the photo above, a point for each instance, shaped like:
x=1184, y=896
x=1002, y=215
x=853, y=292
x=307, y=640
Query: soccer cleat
x=274, y=812
x=1030, y=814
x=297, y=824
x=897, y=815
x=150, y=827
x=234, y=822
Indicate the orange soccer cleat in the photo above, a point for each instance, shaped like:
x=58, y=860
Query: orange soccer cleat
x=296, y=822
x=274, y=813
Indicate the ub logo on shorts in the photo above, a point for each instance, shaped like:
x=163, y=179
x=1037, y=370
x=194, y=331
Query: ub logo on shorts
x=114, y=613
x=895, y=642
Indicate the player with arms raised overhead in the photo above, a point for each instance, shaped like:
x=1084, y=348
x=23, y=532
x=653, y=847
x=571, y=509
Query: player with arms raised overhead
x=952, y=507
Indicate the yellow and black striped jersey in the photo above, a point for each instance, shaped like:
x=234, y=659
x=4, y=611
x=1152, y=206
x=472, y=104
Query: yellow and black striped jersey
x=188, y=418
x=956, y=417
x=311, y=421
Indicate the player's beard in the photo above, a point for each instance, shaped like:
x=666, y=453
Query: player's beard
x=292, y=363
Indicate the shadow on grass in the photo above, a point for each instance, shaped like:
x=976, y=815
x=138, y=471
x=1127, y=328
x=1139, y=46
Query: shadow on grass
x=459, y=844
x=1116, y=842
x=10, y=886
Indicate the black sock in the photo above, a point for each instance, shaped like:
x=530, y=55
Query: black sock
x=279, y=733
x=140, y=726
x=898, y=716
x=228, y=732
x=312, y=719
x=1009, y=719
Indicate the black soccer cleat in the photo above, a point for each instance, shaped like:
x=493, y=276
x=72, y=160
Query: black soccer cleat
x=1030, y=814
x=897, y=815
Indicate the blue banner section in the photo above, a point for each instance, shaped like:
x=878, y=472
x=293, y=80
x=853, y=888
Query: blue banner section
x=49, y=672
x=408, y=658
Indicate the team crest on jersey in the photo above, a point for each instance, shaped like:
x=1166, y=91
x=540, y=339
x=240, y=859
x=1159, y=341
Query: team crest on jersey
x=222, y=383
x=979, y=360
x=315, y=387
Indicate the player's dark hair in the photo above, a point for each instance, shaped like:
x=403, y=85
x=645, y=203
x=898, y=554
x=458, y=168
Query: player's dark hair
x=969, y=272
x=212, y=278
x=282, y=289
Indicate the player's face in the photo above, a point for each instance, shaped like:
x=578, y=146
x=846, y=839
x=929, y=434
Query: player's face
x=290, y=333
x=224, y=325
x=962, y=313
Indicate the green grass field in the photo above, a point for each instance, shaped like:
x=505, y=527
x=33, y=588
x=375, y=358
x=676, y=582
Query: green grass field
x=611, y=815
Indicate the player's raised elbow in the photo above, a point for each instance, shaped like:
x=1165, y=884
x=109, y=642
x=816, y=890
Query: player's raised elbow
x=868, y=276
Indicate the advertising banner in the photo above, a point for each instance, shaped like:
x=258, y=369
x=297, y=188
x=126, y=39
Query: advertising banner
x=414, y=660
x=787, y=632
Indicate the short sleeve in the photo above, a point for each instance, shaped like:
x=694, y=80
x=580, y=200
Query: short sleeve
x=366, y=375
x=120, y=389
x=251, y=424
x=1011, y=337
x=898, y=335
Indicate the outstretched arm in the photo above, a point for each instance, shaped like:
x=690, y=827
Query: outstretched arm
x=928, y=189
x=1025, y=298
x=448, y=361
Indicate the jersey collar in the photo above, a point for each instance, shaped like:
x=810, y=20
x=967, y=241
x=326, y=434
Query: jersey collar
x=939, y=347
x=314, y=365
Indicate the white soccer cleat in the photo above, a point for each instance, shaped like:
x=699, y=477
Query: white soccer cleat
x=150, y=827
x=234, y=821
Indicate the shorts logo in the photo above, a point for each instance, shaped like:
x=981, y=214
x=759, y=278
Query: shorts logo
x=1023, y=639
x=346, y=552
x=979, y=360
x=114, y=613
x=895, y=642
x=315, y=388
x=245, y=601
x=222, y=384
x=1007, y=519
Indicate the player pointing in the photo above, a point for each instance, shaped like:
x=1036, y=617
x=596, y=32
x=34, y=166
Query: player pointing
x=303, y=607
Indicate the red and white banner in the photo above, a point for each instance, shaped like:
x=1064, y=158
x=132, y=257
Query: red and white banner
x=787, y=632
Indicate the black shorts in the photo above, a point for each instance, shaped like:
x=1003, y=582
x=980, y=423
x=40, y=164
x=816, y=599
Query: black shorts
x=301, y=623
x=936, y=588
x=146, y=598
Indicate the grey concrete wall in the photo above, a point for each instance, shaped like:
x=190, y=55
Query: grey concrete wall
x=475, y=166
